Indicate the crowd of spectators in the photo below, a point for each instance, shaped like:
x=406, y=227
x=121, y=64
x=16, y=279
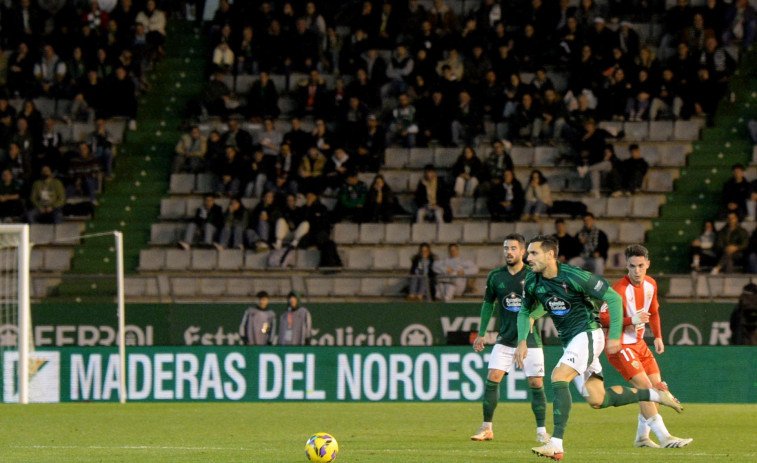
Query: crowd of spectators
x=85, y=64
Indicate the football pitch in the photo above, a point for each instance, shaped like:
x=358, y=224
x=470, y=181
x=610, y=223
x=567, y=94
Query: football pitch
x=367, y=432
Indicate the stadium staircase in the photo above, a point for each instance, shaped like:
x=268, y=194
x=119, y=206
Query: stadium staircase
x=131, y=201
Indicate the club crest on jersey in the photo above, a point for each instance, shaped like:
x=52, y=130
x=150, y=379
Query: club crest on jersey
x=512, y=302
x=558, y=306
x=635, y=364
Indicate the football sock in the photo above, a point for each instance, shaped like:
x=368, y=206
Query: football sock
x=625, y=397
x=561, y=406
x=557, y=442
x=539, y=405
x=642, y=431
x=491, y=397
x=658, y=426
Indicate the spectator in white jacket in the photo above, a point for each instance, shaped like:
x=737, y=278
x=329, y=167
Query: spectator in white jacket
x=453, y=267
x=538, y=197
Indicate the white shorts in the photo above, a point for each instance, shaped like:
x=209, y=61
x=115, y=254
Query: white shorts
x=585, y=360
x=503, y=358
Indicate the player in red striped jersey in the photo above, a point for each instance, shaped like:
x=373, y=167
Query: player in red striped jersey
x=634, y=360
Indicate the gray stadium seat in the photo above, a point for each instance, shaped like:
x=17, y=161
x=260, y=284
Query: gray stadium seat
x=395, y=286
x=423, y=232
x=686, y=130
x=117, y=128
x=710, y=286
x=650, y=153
x=255, y=260
x=203, y=259
x=57, y=259
x=80, y=130
x=734, y=285
x=446, y=157
x=67, y=233
x=498, y=231
x=386, y=258
x=450, y=232
x=360, y=258
x=173, y=208
x=181, y=183
x=545, y=156
x=660, y=130
x=36, y=259
x=475, y=232
x=673, y=155
x=230, y=259
x=185, y=287
x=177, y=259
x=645, y=206
x=397, y=233
x=462, y=207
x=307, y=258
x=238, y=287
x=681, y=287
x=618, y=207
x=631, y=232
x=406, y=256
x=316, y=287
x=205, y=183
x=487, y=259
x=527, y=229
x=165, y=233
x=346, y=233
x=659, y=181
x=135, y=287
x=152, y=259
x=611, y=126
x=41, y=233
x=371, y=233
x=372, y=286
x=610, y=229
x=419, y=157
x=346, y=286
x=397, y=180
x=596, y=206
x=523, y=156
x=636, y=131
x=396, y=157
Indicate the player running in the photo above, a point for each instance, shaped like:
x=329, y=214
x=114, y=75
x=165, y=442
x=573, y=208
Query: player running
x=505, y=284
x=567, y=294
x=635, y=361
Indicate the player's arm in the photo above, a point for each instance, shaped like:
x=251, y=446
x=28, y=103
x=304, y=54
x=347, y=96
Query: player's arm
x=487, y=308
x=524, y=325
x=654, y=323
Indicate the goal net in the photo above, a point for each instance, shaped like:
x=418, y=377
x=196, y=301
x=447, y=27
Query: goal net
x=16, y=342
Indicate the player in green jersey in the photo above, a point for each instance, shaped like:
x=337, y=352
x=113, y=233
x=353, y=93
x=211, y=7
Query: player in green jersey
x=504, y=289
x=572, y=298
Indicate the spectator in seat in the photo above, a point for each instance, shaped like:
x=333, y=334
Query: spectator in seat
x=317, y=215
x=594, y=247
x=295, y=324
x=208, y=221
x=370, y=147
x=216, y=97
x=351, y=200
x=234, y=225
x=18, y=164
x=466, y=172
x=312, y=96
x=154, y=22
x=284, y=180
x=702, y=249
x=495, y=165
x=311, y=171
x=398, y=72
x=337, y=168
x=569, y=245
x=298, y=140
x=553, y=117
x=632, y=172
x=11, y=206
x=238, y=138
x=432, y=197
x=291, y=226
x=261, y=221
x=83, y=173
x=506, y=199
x=49, y=150
x=667, y=101
x=422, y=274
x=704, y=96
x=262, y=99
x=403, y=125
x=453, y=266
x=47, y=198
x=122, y=97
x=735, y=193
x=102, y=142
x=466, y=121
x=740, y=24
x=223, y=58
x=256, y=174
x=190, y=152
x=526, y=122
x=229, y=171
x=435, y=119
x=538, y=197
x=322, y=138
x=50, y=72
x=269, y=139
x=730, y=245
x=381, y=204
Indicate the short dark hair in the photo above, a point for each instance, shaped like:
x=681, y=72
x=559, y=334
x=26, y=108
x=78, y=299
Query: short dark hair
x=737, y=166
x=516, y=237
x=589, y=214
x=548, y=243
x=637, y=250
x=559, y=220
x=262, y=294
x=633, y=147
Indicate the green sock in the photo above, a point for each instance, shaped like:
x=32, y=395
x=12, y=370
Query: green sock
x=539, y=405
x=615, y=399
x=561, y=406
x=491, y=397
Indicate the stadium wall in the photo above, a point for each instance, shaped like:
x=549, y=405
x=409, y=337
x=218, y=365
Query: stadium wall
x=61, y=325
x=365, y=374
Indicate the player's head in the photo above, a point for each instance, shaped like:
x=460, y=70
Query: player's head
x=514, y=248
x=542, y=253
x=637, y=263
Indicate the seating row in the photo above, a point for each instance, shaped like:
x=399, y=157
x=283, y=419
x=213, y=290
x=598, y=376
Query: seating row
x=66, y=234
x=708, y=286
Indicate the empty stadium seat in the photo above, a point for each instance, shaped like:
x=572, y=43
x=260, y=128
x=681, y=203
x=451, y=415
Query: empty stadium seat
x=449, y=232
x=397, y=233
x=660, y=130
x=659, y=181
x=230, y=259
x=645, y=206
x=498, y=231
x=152, y=259
x=631, y=232
x=372, y=233
x=610, y=229
x=173, y=208
x=307, y=258
x=618, y=207
x=527, y=229
x=673, y=155
x=165, y=233
x=396, y=157
x=315, y=287
x=181, y=183
x=360, y=258
x=346, y=233
x=733, y=285
x=419, y=157
x=681, y=287
x=372, y=286
x=522, y=156
x=255, y=260
x=545, y=156
x=462, y=206
x=386, y=258
x=57, y=260
x=636, y=130
x=204, y=183
x=487, y=259
x=446, y=157
x=184, y=287
x=203, y=259
x=177, y=259
x=41, y=233
x=596, y=206
x=396, y=179
x=423, y=232
x=346, y=286
x=238, y=287
x=475, y=232
x=686, y=130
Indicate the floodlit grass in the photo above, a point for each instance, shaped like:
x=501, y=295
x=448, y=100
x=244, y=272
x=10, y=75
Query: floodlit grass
x=367, y=432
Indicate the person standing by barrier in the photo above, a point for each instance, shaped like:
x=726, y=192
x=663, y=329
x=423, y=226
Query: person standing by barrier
x=258, y=322
x=295, y=324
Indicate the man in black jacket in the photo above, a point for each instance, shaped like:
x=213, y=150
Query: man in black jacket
x=208, y=220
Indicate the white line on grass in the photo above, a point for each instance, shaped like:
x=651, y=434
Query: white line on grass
x=125, y=447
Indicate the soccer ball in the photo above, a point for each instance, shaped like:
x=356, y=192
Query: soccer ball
x=321, y=447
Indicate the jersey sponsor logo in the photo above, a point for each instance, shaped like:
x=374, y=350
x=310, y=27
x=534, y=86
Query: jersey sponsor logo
x=558, y=306
x=512, y=302
x=598, y=286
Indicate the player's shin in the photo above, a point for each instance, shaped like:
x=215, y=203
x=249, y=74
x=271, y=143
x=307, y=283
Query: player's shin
x=642, y=430
x=561, y=406
x=618, y=396
x=491, y=398
x=539, y=405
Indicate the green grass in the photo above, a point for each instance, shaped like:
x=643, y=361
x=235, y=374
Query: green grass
x=381, y=432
